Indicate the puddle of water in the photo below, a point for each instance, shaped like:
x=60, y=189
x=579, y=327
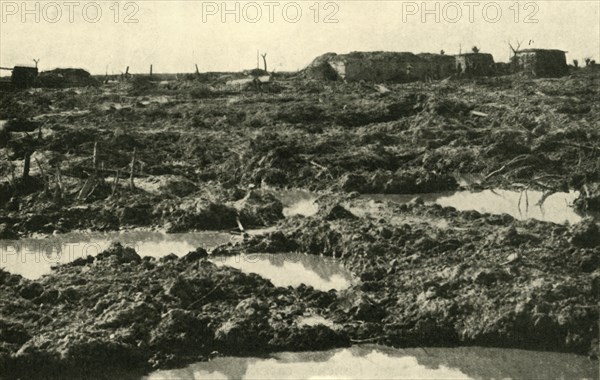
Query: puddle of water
x=556, y=208
x=306, y=207
x=292, y=269
x=377, y=362
x=34, y=257
x=297, y=202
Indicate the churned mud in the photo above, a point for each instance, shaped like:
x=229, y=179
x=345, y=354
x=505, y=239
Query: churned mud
x=457, y=213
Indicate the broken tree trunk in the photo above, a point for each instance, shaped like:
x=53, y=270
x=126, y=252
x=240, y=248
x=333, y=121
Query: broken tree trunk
x=264, y=57
x=150, y=70
x=197, y=71
x=131, y=184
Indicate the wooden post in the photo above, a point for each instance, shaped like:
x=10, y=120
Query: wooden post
x=12, y=172
x=26, y=165
x=239, y=223
x=150, y=69
x=95, y=156
x=85, y=188
x=59, y=185
x=115, y=184
x=131, y=184
x=43, y=173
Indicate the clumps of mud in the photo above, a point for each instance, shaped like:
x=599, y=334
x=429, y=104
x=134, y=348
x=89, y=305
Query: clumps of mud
x=589, y=198
x=481, y=280
x=125, y=312
x=192, y=137
x=174, y=214
x=486, y=280
x=400, y=182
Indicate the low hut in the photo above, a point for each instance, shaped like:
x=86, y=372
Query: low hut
x=23, y=76
x=475, y=64
x=541, y=62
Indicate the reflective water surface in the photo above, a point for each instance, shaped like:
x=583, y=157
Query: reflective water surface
x=298, y=202
x=292, y=269
x=34, y=257
x=524, y=205
x=377, y=362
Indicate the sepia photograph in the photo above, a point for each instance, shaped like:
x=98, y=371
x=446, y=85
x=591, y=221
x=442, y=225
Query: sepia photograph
x=308, y=189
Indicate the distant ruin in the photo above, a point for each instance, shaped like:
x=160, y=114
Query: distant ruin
x=438, y=66
x=475, y=64
x=22, y=76
x=64, y=78
x=398, y=67
x=403, y=67
x=378, y=66
x=541, y=62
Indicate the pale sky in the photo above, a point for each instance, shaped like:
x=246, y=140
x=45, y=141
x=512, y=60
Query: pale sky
x=174, y=35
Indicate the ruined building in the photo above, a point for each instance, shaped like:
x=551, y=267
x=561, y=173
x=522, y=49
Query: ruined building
x=22, y=76
x=378, y=66
x=398, y=67
x=475, y=64
x=541, y=62
x=64, y=78
x=438, y=66
x=321, y=69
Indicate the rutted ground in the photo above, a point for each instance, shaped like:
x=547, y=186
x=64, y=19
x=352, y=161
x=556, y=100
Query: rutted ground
x=485, y=280
x=199, y=146
x=441, y=277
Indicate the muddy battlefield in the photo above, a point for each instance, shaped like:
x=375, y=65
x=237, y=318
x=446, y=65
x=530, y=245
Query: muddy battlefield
x=151, y=221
